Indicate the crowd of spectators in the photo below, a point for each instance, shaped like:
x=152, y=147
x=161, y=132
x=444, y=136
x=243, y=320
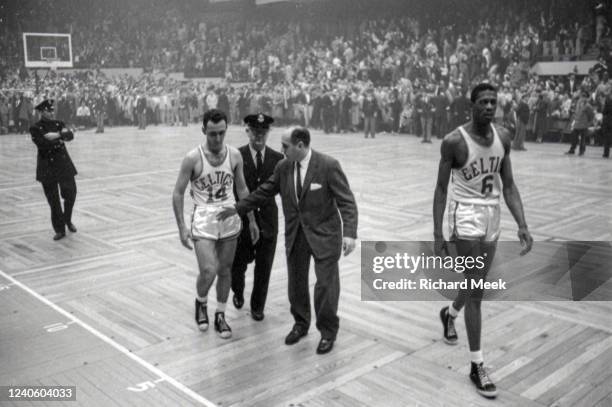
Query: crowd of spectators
x=335, y=38
x=426, y=109
x=403, y=71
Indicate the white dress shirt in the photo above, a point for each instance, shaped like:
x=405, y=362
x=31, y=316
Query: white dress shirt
x=303, y=169
x=254, y=154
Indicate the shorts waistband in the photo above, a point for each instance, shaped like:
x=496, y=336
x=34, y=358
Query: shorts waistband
x=478, y=202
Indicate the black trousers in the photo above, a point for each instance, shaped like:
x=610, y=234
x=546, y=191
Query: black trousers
x=326, y=292
x=263, y=254
x=606, y=134
x=68, y=191
x=579, y=135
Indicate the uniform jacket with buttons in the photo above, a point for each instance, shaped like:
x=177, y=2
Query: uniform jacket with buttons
x=53, y=162
x=266, y=214
x=326, y=211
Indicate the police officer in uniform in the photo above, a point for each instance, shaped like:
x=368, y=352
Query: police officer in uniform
x=259, y=162
x=54, y=168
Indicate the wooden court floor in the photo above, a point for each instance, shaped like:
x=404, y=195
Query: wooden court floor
x=110, y=308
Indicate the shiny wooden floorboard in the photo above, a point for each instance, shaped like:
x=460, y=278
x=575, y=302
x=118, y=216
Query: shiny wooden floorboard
x=126, y=275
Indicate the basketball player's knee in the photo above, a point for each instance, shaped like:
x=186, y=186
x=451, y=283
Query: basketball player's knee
x=208, y=271
x=224, y=273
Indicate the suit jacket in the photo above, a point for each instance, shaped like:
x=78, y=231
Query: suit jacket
x=53, y=162
x=266, y=215
x=572, y=87
x=326, y=210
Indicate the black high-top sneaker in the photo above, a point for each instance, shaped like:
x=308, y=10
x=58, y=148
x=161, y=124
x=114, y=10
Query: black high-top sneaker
x=221, y=326
x=448, y=322
x=201, y=315
x=481, y=380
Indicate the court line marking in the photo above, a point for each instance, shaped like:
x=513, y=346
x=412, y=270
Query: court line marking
x=178, y=385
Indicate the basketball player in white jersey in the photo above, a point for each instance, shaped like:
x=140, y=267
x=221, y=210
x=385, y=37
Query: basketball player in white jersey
x=212, y=168
x=476, y=159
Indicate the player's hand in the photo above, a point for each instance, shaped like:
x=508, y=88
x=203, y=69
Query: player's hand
x=226, y=212
x=440, y=247
x=348, y=245
x=254, y=230
x=185, y=235
x=526, y=240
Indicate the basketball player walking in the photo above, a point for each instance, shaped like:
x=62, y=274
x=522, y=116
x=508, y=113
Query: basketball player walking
x=212, y=168
x=477, y=156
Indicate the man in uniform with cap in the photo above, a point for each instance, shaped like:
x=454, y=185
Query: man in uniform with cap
x=259, y=162
x=54, y=167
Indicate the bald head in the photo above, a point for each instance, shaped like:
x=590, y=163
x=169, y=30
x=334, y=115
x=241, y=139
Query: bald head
x=295, y=143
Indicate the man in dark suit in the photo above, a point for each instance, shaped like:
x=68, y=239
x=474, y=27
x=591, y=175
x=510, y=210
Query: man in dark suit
x=572, y=84
x=141, y=111
x=223, y=103
x=259, y=162
x=55, y=168
x=320, y=222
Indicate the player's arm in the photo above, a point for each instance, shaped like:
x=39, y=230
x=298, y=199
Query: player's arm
x=178, y=198
x=257, y=198
x=447, y=158
x=512, y=196
x=243, y=191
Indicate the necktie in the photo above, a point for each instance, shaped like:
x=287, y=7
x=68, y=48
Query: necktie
x=259, y=162
x=298, y=181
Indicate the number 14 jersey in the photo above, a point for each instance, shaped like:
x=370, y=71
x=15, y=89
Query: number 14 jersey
x=215, y=185
x=479, y=181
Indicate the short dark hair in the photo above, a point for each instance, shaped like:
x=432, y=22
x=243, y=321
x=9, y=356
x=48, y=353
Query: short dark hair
x=214, y=115
x=481, y=87
x=300, y=134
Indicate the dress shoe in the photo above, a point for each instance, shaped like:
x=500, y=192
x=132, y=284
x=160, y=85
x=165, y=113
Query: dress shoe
x=59, y=235
x=257, y=315
x=71, y=227
x=325, y=346
x=238, y=301
x=294, y=336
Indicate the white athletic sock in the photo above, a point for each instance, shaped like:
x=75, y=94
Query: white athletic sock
x=477, y=357
x=203, y=300
x=452, y=311
x=221, y=307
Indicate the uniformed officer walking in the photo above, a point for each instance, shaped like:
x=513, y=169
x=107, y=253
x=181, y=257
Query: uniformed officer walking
x=54, y=168
x=259, y=162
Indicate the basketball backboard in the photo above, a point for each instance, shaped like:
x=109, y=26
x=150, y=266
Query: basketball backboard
x=47, y=50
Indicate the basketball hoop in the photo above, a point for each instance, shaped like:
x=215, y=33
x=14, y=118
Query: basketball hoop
x=51, y=63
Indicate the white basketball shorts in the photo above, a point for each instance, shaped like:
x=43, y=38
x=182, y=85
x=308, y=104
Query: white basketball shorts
x=473, y=221
x=205, y=225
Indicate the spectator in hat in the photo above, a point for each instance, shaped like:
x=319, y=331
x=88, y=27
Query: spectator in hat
x=259, y=162
x=54, y=168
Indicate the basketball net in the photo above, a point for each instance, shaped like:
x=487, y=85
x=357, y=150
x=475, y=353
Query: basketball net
x=52, y=63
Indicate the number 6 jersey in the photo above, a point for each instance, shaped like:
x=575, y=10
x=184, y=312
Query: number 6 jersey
x=479, y=181
x=215, y=185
